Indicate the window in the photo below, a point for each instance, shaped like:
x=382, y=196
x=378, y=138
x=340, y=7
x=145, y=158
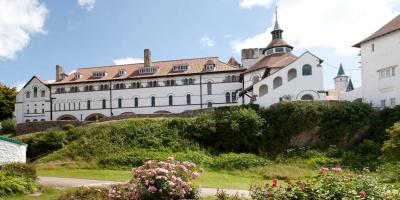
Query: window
x=188, y=99
x=372, y=47
x=279, y=49
x=35, y=111
x=307, y=70
x=98, y=74
x=209, y=105
x=42, y=110
x=28, y=94
x=228, y=79
x=255, y=79
x=292, y=74
x=383, y=103
x=27, y=111
x=171, y=100
x=88, y=88
x=148, y=70
x=228, y=97
x=104, y=104
x=121, y=72
x=152, y=84
x=77, y=76
x=209, y=88
x=234, y=79
x=35, y=91
x=88, y=105
x=209, y=67
x=180, y=68
x=119, y=103
x=307, y=97
x=153, y=101
x=27, y=121
x=392, y=101
x=136, y=102
x=170, y=82
x=234, y=99
x=263, y=90
x=387, y=72
x=188, y=81
x=277, y=82
x=136, y=85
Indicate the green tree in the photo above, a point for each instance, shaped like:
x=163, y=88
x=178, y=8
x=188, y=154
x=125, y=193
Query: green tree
x=391, y=147
x=7, y=101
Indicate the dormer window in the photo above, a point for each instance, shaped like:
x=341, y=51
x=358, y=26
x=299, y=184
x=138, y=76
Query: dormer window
x=121, y=72
x=181, y=68
x=148, y=70
x=210, y=67
x=77, y=76
x=98, y=74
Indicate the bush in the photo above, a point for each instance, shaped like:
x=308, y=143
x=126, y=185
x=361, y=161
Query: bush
x=327, y=185
x=222, y=195
x=365, y=155
x=44, y=143
x=15, y=185
x=19, y=170
x=85, y=193
x=9, y=126
x=391, y=147
x=236, y=161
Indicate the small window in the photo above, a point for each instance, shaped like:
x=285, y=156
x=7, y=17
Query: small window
x=263, y=90
x=188, y=99
x=119, y=103
x=28, y=94
x=383, y=103
x=121, y=72
x=27, y=111
x=35, y=111
x=210, y=67
x=372, y=47
x=209, y=88
x=88, y=105
x=277, y=82
x=27, y=121
x=307, y=70
x=307, y=97
x=180, y=68
x=392, y=101
x=234, y=99
x=292, y=74
x=171, y=100
x=255, y=79
x=209, y=105
x=234, y=79
x=42, y=110
x=153, y=101
x=228, y=97
x=104, y=104
x=136, y=102
x=35, y=92
x=98, y=74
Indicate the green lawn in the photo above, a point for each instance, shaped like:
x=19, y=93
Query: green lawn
x=48, y=194
x=94, y=174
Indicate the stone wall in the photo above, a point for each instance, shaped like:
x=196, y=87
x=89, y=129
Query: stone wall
x=32, y=127
x=11, y=152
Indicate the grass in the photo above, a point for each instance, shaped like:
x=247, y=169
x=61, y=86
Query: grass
x=94, y=174
x=47, y=194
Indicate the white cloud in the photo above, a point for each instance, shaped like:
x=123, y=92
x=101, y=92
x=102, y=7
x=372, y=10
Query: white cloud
x=338, y=24
x=88, y=5
x=19, y=85
x=124, y=61
x=207, y=42
x=251, y=3
x=19, y=20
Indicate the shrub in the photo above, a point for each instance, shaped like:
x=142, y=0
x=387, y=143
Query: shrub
x=222, y=195
x=9, y=126
x=15, y=185
x=363, y=156
x=167, y=179
x=43, y=143
x=85, y=193
x=317, y=162
x=19, y=170
x=236, y=161
x=391, y=147
x=197, y=157
x=327, y=185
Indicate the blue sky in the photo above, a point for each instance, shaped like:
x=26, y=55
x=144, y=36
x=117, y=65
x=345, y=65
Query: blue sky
x=95, y=33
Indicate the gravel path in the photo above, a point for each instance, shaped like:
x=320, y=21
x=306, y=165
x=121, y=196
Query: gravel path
x=73, y=182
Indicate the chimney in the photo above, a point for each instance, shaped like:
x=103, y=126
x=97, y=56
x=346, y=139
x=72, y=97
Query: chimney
x=147, y=58
x=59, y=73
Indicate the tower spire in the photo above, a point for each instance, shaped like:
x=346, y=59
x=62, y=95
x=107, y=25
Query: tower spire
x=277, y=32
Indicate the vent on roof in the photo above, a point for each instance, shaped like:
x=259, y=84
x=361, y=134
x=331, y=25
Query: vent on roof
x=148, y=70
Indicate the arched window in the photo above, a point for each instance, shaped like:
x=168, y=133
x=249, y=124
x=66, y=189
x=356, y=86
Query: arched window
x=28, y=94
x=136, y=102
x=307, y=97
x=263, y=90
x=234, y=97
x=227, y=97
x=171, y=100
x=35, y=111
x=88, y=104
x=292, y=74
x=255, y=79
x=35, y=120
x=307, y=70
x=209, y=105
x=209, y=88
x=28, y=121
x=42, y=120
x=43, y=93
x=35, y=92
x=27, y=111
x=153, y=101
x=277, y=82
x=119, y=103
x=234, y=78
x=104, y=104
x=42, y=110
x=188, y=99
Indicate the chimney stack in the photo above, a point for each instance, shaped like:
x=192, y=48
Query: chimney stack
x=147, y=58
x=59, y=73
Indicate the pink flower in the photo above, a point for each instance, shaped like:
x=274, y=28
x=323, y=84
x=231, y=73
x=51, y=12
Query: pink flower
x=337, y=169
x=323, y=170
x=350, y=175
x=274, y=182
x=152, y=189
x=195, y=175
x=362, y=194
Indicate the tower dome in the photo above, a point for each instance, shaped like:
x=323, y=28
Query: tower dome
x=277, y=44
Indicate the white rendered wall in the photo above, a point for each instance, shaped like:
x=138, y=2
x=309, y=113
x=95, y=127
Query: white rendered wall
x=297, y=87
x=11, y=152
x=386, y=54
x=351, y=96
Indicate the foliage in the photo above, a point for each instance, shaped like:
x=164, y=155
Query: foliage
x=85, y=193
x=21, y=170
x=222, y=195
x=15, y=185
x=316, y=162
x=391, y=147
x=7, y=101
x=8, y=126
x=236, y=161
x=365, y=155
x=167, y=179
x=46, y=142
x=327, y=185
x=389, y=172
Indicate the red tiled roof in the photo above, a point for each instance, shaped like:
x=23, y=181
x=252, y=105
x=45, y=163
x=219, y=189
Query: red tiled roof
x=393, y=25
x=196, y=66
x=278, y=43
x=232, y=62
x=277, y=60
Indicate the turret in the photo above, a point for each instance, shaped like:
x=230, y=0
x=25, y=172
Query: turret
x=341, y=80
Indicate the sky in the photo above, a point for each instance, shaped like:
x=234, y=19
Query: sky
x=36, y=35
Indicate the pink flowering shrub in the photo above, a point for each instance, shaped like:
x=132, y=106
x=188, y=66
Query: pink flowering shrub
x=329, y=184
x=167, y=179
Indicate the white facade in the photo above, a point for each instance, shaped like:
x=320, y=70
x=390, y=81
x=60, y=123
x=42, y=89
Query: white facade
x=380, y=70
x=12, y=151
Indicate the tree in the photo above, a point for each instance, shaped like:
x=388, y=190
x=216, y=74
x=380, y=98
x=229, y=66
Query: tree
x=7, y=101
x=391, y=147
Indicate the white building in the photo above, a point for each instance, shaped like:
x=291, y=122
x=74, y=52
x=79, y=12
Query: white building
x=344, y=89
x=12, y=151
x=273, y=74
x=380, y=58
